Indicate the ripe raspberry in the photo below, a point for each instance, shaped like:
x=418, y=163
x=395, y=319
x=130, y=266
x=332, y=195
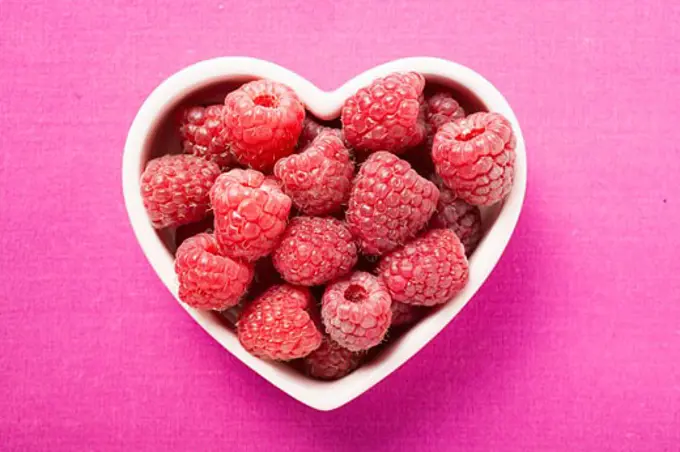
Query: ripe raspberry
x=250, y=213
x=441, y=108
x=356, y=311
x=389, y=203
x=175, y=189
x=314, y=251
x=462, y=218
x=263, y=120
x=405, y=314
x=387, y=115
x=319, y=179
x=475, y=157
x=277, y=325
x=428, y=271
x=208, y=280
x=203, y=135
x=330, y=361
x=311, y=129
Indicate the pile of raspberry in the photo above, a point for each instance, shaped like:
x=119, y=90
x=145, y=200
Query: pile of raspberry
x=327, y=240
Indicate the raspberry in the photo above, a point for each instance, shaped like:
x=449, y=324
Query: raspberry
x=311, y=129
x=387, y=115
x=277, y=325
x=175, y=189
x=356, y=311
x=330, y=361
x=475, y=157
x=314, y=251
x=208, y=280
x=428, y=271
x=462, y=218
x=263, y=120
x=389, y=203
x=250, y=213
x=319, y=179
x=203, y=135
x=405, y=314
x=441, y=108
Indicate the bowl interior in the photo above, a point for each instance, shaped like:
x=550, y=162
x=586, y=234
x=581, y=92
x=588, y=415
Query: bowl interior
x=153, y=133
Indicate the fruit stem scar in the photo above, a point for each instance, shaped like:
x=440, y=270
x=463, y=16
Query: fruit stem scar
x=266, y=100
x=355, y=293
x=469, y=134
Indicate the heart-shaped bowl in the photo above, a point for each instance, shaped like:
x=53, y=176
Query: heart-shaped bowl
x=151, y=134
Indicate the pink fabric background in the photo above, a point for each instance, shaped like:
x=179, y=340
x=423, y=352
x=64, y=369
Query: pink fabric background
x=572, y=344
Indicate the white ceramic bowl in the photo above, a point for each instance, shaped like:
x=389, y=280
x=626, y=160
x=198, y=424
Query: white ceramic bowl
x=150, y=135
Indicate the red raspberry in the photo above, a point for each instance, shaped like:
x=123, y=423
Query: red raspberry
x=311, y=129
x=203, y=135
x=208, y=280
x=389, y=203
x=263, y=120
x=356, y=311
x=330, y=361
x=441, y=108
x=405, y=314
x=462, y=218
x=277, y=325
x=428, y=271
x=387, y=115
x=314, y=251
x=175, y=189
x=475, y=157
x=250, y=211
x=319, y=179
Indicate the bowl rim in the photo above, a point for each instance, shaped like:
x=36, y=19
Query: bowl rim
x=322, y=396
